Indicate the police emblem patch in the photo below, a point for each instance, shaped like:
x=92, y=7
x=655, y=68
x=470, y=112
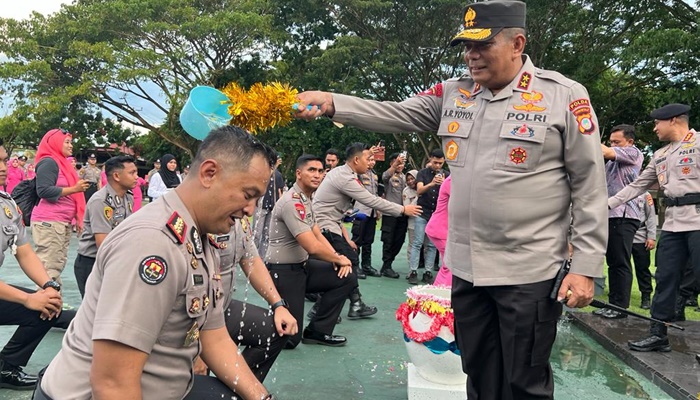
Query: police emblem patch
x=451, y=150
x=301, y=210
x=195, y=306
x=196, y=240
x=530, y=99
x=453, y=126
x=524, y=131
x=8, y=212
x=153, y=270
x=685, y=170
x=581, y=108
x=177, y=226
x=109, y=213
x=518, y=155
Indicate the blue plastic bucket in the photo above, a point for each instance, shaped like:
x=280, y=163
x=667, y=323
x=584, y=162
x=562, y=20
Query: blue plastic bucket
x=206, y=109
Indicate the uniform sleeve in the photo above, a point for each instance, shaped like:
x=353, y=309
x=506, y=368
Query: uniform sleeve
x=290, y=213
x=386, y=176
x=584, y=164
x=629, y=155
x=651, y=217
x=134, y=312
x=156, y=187
x=643, y=182
x=359, y=193
x=98, y=221
x=419, y=113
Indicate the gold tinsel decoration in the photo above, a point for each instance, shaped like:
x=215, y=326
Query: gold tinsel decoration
x=261, y=107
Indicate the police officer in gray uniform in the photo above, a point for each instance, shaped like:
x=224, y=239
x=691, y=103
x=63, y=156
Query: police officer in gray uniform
x=93, y=175
x=106, y=209
x=523, y=145
x=335, y=195
x=393, y=228
x=150, y=305
x=364, y=230
x=675, y=168
x=294, y=236
x=260, y=331
x=34, y=311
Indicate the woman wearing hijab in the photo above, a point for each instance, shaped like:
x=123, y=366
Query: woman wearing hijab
x=15, y=174
x=165, y=179
x=31, y=174
x=62, y=200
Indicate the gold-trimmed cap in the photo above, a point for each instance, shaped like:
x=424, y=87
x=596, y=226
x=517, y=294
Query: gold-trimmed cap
x=483, y=21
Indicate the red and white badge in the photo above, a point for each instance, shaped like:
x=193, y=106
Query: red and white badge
x=301, y=210
x=153, y=270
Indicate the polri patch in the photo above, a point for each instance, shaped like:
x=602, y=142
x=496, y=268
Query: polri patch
x=8, y=212
x=153, y=270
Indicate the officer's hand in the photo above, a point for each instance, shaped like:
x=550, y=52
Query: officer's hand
x=47, y=301
x=353, y=244
x=200, y=367
x=321, y=102
x=344, y=271
x=577, y=289
x=79, y=229
x=412, y=210
x=650, y=244
x=284, y=322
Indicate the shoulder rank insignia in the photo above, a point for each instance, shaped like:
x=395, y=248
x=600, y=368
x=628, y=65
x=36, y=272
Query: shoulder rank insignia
x=8, y=212
x=177, y=226
x=153, y=270
x=109, y=212
x=524, y=81
x=213, y=240
x=196, y=240
x=295, y=195
x=245, y=224
x=303, y=197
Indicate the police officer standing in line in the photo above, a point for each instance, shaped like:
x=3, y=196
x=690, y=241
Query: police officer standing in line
x=393, y=228
x=34, y=311
x=675, y=168
x=251, y=326
x=150, y=306
x=91, y=173
x=332, y=159
x=364, y=230
x=334, y=196
x=106, y=209
x=294, y=238
x=523, y=145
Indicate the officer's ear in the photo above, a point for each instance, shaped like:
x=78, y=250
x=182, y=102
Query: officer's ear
x=208, y=171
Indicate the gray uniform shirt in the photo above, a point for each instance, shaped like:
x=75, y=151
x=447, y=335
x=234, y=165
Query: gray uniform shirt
x=13, y=232
x=393, y=186
x=336, y=194
x=647, y=230
x=292, y=216
x=150, y=289
x=90, y=173
x=518, y=159
x=233, y=248
x=371, y=182
x=675, y=168
x=103, y=212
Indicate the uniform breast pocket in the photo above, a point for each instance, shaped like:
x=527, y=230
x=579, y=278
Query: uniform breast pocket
x=687, y=168
x=519, y=147
x=181, y=329
x=455, y=135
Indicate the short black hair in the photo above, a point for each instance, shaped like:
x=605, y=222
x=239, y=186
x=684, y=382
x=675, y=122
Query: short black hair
x=437, y=153
x=333, y=151
x=393, y=157
x=116, y=163
x=307, y=158
x=233, y=147
x=354, y=149
x=627, y=130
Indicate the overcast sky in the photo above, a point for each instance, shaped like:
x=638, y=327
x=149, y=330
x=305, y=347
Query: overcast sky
x=22, y=9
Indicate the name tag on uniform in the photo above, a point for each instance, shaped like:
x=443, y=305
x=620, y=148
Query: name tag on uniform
x=222, y=238
x=197, y=279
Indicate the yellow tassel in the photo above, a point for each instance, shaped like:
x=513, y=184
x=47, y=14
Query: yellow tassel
x=262, y=106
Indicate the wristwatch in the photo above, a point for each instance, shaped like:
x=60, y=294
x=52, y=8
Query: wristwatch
x=281, y=303
x=52, y=284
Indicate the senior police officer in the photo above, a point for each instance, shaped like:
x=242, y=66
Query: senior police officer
x=261, y=332
x=523, y=146
x=91, y=173
x=106, y=209
x=294, y=237
x=34, y=311
x=150, y=304
x=675, y=168
x=336, y=194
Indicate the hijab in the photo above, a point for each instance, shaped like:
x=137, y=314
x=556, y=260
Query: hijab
x=170, y=178
x=51, y=146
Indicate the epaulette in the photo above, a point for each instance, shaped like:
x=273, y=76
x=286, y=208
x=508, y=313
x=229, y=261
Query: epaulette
x=218, y=241
x=5, y=195
x=177, y=226
x=554, y=76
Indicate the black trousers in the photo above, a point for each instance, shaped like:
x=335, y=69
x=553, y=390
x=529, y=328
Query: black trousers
x=31, y=330
x=317, y=277
x=92, y=189
x=689, y=285
x=505, y=335
x=672, y=255
x=393, y=236
x=258, y=327
x=363, y=235
x=210, y=388
x=618, y=255
x=642, y=261
x=343, y=247
x=82, y=267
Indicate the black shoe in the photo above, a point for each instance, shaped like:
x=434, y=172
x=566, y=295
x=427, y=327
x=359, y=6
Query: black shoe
x=16, y=379
x=413, y=278
x=361, y=310
x=390, y=273
x=340, y=319
x=371, y=271
x=697, y=358
x=651, y=343
x=427, y=277
x=360, y=274
x=312, y=297
x=612, y=314
x=289, y=345
x=691, y=302
x=311, y=337
x=646, y=301
x=601, y=311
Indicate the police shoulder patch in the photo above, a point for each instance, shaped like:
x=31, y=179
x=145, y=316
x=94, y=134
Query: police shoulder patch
x=109, y=212
x=153, y=270
x=177, y=226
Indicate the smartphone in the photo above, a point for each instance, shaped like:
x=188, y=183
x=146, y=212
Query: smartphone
x=381, y=143
x=404, y=155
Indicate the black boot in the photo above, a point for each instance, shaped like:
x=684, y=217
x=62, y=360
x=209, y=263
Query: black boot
x=680, y=309
x=360, y=273
x=646, y=301
x=370, y=271
x=12, y=377
x=389, y=272
x=657, y=341
x=358, y=309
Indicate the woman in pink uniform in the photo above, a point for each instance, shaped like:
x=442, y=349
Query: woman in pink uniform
x=437, y=231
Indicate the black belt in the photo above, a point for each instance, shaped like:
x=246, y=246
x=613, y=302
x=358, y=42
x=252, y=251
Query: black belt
x=688, y=199
x=80, y=256
x=286, y=267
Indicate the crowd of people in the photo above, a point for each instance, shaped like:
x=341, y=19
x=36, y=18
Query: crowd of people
x=530, y=192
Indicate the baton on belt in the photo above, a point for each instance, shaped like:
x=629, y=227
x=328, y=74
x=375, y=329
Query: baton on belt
x=564, y=270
